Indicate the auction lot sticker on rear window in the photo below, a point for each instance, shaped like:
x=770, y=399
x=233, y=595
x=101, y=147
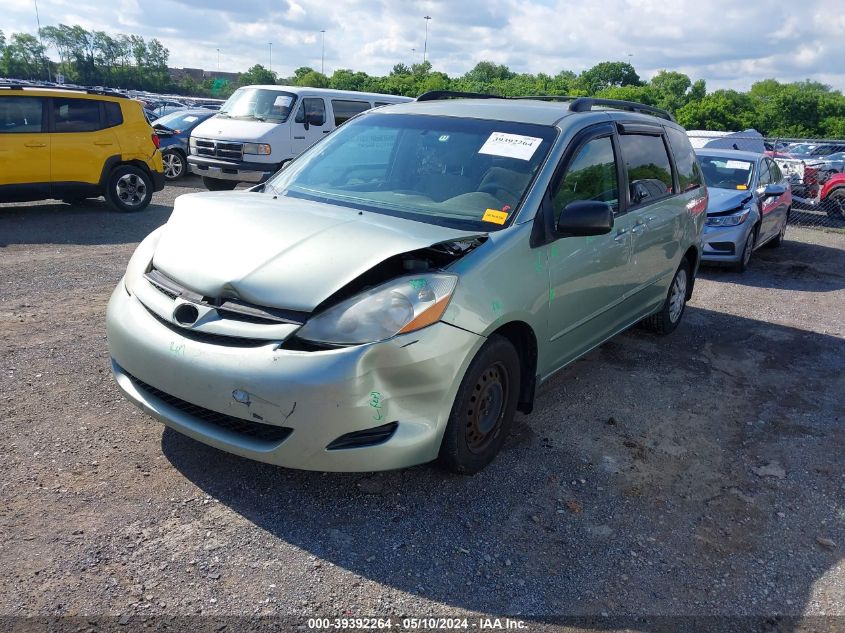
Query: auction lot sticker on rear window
x=510, y=145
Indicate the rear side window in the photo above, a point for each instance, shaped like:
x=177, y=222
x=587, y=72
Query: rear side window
x=113, y=114
x=76, y=115
x=689, y=172
x=590, y=176
x=345, y=110
x=21, y=115
x=648, y=167
x=315, y=108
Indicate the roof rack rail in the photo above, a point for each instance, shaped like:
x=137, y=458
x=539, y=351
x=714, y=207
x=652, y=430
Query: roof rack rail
x=585, y=104
x=439, y=95
x=547, y=97
x=20, y=85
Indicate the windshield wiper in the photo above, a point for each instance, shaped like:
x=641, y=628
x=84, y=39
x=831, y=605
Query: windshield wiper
x=225, y=115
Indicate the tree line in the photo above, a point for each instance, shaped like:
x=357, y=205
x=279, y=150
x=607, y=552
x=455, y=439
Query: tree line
x=803, y=109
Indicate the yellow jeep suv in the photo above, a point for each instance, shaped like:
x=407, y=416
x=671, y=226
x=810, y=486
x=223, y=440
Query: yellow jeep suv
x=75, y=144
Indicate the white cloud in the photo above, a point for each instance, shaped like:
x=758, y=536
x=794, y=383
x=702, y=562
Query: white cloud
x=727, y=43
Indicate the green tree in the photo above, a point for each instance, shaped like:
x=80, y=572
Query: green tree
x=313, y=79
x=725, y=110
x=608, y=74
x=257, y=75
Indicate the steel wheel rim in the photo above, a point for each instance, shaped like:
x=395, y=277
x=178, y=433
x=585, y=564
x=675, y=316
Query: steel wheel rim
x=485, y=410
x=172, y=165
x=678, y=295
x=749, y=246
x=131, y=190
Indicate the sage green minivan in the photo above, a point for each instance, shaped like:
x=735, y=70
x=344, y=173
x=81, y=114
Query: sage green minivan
x=396, y=293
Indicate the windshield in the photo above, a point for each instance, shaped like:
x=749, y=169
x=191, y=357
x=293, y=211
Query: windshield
x=464, y=173
x=179, y=120
x=726, y=173
x=262, y=104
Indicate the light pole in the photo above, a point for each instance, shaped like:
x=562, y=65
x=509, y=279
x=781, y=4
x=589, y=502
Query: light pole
x=218, y=61
x=425, y=45
x=323, y=53
x=413, y=56
x=46, y=61
x=270, y=44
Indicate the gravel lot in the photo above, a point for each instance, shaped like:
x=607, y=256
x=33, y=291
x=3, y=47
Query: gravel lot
x=691, y=475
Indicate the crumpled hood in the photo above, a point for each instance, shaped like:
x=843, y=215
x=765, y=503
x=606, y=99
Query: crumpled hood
x=285, y=252
x=722, y=200
x=248, y=131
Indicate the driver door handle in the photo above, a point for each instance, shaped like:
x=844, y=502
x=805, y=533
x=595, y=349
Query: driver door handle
x=639, y=227
x=620, y=235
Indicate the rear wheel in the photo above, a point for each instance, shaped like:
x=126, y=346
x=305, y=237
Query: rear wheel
x=834, y=204
x=128, y=189
x=778, y=239
x=215, y=184
x=669, y=316
x=483, y=410
x=174, y=165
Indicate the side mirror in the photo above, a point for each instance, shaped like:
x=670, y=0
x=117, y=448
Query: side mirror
x=314, y=118
x=584, y=218
x=773, y=190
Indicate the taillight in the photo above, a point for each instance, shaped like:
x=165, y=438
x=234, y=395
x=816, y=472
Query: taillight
x=156, y=142
x=811, y=176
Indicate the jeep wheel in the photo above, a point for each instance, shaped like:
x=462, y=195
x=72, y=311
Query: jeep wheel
x=215, y=184
x=128, y=189
x=483, y=410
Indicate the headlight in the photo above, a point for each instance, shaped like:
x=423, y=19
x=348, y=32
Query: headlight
x=734, y=219
x=192, y=144
x=140, y=261
x=397, y=307
x=257, y=148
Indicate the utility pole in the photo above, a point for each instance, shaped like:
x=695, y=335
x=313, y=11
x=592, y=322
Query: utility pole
x=46, y=61
x=270, y=44
x=323, y=53
x=425, y=46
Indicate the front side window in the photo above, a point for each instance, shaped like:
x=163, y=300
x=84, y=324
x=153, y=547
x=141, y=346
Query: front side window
x=689, y=173
x=313, y=110
x=765, y=174
x=76, y=115
x=21, y=115
x=648, y=168
x=463, y=173
x=345, y=110
x=261, y=104
x=590, y=176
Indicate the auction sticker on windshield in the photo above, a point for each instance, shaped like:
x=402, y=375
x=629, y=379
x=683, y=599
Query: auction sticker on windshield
x=282, y=102
x=510, y=145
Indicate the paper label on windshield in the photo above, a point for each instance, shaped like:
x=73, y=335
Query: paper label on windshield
x=495, y=216
x=737, y=164
x=191, y=119
x=510, y=145
x=282, y=102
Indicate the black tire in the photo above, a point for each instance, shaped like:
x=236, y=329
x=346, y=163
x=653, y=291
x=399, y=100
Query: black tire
x=834, y=204
x=747, y=250
x=128, y=189
x=665, y=320
x=483, y=410
x=175, y=165
x=779, y=238
x=215, y=184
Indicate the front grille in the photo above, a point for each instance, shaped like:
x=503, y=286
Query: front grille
x=367, y=437
x=213, y=339
x=254, y=430
x=226, y=150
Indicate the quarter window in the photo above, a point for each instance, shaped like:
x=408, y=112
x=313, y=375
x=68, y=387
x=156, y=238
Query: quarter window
x=689, y=172
x=345, y=110
x=113, y=114
x=648, y=168
x=21, y=115
x=314, y=108
x=591, y=176
x=76, y=115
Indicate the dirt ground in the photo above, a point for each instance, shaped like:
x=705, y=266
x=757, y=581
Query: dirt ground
x=695, y=475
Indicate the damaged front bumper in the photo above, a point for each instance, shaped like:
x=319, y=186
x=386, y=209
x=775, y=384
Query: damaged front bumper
x=228, y=396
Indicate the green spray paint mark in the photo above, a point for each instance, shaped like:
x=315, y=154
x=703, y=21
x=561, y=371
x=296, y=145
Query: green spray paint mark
x=375, y=403
x=178, y=350
x=551, y=294
x=496, y=306
x=417, y=284
x=555, y=252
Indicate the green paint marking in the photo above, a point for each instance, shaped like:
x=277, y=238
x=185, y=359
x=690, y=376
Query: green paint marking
x=496, y=306
x=375, y=403
x=555, y=252
x=179, y=350
x=551, y=294
x=417, y=284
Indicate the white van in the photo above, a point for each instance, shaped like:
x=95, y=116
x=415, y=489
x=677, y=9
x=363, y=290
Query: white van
x=259, y=128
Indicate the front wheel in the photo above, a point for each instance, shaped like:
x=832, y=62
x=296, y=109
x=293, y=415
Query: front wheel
x=215, y=184
x=669, y=316
x=747, y=250
x=129, y=189
x=174, y=165
x=834, y=204
x=483, y=410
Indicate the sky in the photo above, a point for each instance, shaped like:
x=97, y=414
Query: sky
x=728, y=43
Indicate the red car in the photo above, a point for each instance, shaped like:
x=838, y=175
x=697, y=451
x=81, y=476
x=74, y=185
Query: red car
x=832, y=196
